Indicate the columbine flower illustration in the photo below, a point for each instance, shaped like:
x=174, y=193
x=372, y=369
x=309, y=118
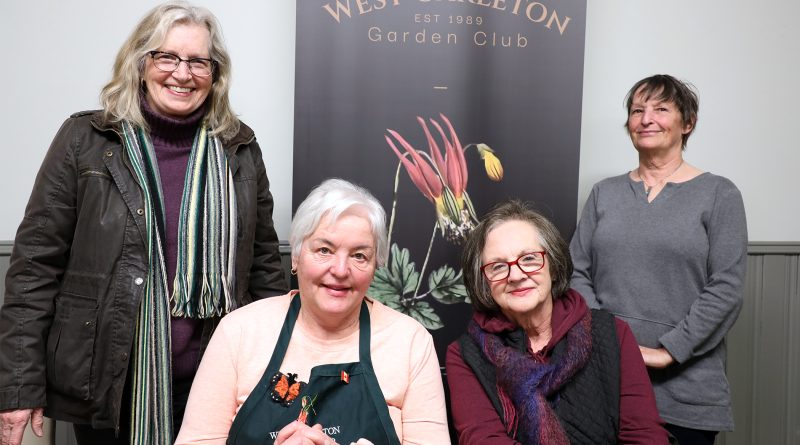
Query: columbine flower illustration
x=442, y=179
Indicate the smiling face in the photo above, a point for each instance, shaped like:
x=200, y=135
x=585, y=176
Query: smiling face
x=335, y=266
x=656, y=125
x=522, y=294
x=179, y=93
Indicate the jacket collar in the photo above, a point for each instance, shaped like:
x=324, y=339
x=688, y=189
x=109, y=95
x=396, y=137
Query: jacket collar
x=244, y=136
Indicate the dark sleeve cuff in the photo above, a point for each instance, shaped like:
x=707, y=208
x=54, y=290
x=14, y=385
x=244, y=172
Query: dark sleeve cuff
x=22, y=397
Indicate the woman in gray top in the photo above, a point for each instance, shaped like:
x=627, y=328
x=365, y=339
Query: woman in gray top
x=663, y=247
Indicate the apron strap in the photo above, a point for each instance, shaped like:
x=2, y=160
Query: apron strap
x=371, y=380
x=285, y=336
x=364, y=335
x=263, y=387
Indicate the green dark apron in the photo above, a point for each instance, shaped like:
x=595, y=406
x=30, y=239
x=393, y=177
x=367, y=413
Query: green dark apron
x=347, y=411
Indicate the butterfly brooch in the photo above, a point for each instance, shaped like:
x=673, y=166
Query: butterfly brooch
x=285, y=388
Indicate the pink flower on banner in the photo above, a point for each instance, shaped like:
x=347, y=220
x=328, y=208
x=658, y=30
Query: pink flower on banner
x=440, y=174
x=441, y=178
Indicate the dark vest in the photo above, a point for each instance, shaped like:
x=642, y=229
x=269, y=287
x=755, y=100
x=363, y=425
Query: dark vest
x=588, y=405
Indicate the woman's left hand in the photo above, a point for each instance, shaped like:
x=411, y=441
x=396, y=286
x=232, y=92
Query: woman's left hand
x=298, y=433
x=656, y=358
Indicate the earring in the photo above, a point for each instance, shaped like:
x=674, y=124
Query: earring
x=293, y=271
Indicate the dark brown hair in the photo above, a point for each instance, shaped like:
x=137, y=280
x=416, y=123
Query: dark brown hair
x=557, y=257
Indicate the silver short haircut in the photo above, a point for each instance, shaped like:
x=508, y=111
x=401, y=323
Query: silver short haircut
x=334, y=197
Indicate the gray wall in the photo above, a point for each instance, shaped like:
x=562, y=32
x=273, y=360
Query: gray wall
x=764, y=349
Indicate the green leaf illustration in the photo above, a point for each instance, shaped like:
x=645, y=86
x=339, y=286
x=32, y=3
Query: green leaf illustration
x=418, y=310
x=381, y=288
x=447, y=287
x=399, y=278
x=423, y=313
x=396, y=279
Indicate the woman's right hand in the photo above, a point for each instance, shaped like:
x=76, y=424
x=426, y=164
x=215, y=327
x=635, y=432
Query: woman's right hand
x=658, y=358
x=298, y=433
x=13, y=422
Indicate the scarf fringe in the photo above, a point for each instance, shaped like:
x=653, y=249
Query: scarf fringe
x=213, y=299
x=208, y=207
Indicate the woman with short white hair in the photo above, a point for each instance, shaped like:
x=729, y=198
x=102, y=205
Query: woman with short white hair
x=325, y=362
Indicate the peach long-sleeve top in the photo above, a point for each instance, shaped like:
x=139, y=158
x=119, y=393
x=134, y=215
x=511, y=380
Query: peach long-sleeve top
x=403, y=357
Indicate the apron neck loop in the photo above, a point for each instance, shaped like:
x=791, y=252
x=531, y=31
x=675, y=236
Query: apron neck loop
x=288, y=326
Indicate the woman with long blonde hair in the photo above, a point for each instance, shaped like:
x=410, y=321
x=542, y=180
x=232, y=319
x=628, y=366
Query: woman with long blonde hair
x=149, y=220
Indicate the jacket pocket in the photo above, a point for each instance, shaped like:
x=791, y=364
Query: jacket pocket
x=70, y=347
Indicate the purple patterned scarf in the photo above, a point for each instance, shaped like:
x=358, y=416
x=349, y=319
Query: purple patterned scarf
x=524, y=384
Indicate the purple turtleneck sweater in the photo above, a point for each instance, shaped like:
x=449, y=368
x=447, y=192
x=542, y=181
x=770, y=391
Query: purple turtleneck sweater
x=172, y=142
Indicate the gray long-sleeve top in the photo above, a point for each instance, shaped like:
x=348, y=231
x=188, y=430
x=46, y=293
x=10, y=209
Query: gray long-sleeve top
x=674, y=270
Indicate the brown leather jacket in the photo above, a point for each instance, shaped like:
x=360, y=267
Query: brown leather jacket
x=78, y=265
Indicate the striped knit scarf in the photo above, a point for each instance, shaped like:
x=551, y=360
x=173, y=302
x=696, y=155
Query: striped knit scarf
x=203, y=285
x=525, y=385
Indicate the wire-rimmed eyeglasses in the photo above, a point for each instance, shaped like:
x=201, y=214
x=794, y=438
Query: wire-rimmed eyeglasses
x=169, y=62
x=527, y=262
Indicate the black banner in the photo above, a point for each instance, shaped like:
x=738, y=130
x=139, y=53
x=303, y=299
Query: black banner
x=441, y=109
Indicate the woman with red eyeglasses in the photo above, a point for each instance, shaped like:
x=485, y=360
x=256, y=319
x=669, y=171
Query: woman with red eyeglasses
x=536, y=365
